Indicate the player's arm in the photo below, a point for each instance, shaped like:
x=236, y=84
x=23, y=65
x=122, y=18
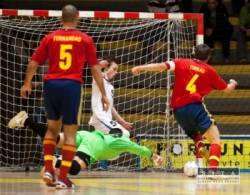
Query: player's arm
x=119, y=119
x=220, y=84
x=30, y=72
x=156, y=67
x=125, y=145
x=230, y=86
x=38, y=57
x=95, y=70
x=97, y=75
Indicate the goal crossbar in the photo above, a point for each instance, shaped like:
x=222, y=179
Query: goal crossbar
x=115, y=15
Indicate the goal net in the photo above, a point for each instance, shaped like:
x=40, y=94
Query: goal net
x=134, y=39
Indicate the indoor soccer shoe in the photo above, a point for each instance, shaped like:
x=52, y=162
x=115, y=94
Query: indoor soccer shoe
x=49, y=179
x=56, y=166
x=66, y=184
x=18, y=120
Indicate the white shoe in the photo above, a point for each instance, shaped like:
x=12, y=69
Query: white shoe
x=18, y=120
x=67, y=184
x=49, y=179
x=56, y=169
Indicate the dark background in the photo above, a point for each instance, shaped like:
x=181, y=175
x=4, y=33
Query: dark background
x=110, y=5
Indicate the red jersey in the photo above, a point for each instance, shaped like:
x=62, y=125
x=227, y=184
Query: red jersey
x=66, y=52
x=193, y=80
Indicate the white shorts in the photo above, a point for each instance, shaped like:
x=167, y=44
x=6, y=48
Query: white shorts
x=107, y=125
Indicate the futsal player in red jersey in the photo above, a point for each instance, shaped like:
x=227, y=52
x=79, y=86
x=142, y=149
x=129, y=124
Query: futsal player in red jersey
x=66, y=50
x=194, y=79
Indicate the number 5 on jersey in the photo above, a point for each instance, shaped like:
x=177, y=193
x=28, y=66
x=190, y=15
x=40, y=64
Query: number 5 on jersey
x=191, y=86
x=65, y=56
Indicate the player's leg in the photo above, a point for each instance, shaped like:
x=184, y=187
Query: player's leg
x=22, y=120
x=53, y=108
x=207, y=127
x=68, y=153
x=102, y=124
x=70, y=117
x=49, y=144
x=201, y=152
x=213, y=136
x=81, y=161
x=186, y=121
x=195, y=120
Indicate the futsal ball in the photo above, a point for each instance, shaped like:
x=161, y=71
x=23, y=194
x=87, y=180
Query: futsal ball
x=191, y=169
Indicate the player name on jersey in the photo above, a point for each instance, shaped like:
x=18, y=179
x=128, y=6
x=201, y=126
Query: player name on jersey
x=67, y=38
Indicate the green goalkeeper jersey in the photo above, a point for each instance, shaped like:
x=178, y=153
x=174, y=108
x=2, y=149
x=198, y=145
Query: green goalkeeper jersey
x=106, y=147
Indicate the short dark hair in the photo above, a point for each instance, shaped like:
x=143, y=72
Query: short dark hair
x=69, y=13
x=110, y=59
x=202, y=52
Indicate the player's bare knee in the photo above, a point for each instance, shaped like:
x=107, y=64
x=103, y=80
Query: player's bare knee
x=215, y=140
x=70, y=134
x=212, y=135
x=51, y=134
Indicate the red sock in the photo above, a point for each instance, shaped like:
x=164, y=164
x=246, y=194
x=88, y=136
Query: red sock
x=198, y=141
x=68, y=153
x=214, y=156
x=48, y=150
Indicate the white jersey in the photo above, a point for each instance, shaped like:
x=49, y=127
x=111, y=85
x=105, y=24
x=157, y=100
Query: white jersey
x=100, y=119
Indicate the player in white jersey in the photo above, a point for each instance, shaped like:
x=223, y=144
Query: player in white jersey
x=100, y=119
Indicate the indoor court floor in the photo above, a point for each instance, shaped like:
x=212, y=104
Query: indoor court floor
x=120, y=183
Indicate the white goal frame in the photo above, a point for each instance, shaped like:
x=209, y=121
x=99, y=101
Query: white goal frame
x=198, y=18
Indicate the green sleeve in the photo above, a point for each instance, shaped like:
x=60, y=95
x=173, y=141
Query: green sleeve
x=78, y=140
x=125, y=145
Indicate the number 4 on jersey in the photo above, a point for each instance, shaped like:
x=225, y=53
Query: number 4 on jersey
x=191, y=87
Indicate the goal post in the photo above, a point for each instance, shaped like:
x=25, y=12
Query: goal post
x=133, y=38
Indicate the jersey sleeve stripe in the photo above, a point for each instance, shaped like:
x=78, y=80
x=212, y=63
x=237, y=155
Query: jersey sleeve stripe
x=170, y=65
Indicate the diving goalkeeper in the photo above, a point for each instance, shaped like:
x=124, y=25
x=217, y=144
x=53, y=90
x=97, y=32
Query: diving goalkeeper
x=91, y=146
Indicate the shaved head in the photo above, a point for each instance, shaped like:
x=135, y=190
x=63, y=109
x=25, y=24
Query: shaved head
x=69, y=13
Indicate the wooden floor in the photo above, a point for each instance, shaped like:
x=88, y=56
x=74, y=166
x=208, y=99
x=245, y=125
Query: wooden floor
x=120, y=183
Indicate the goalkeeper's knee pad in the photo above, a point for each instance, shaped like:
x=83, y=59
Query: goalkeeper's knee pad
x=75, y=168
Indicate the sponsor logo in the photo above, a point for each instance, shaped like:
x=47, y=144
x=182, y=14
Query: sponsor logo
x=235, y=152
x=222, y=175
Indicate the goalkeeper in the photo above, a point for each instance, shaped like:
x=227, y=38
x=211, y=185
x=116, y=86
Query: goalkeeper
x=91, y=146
